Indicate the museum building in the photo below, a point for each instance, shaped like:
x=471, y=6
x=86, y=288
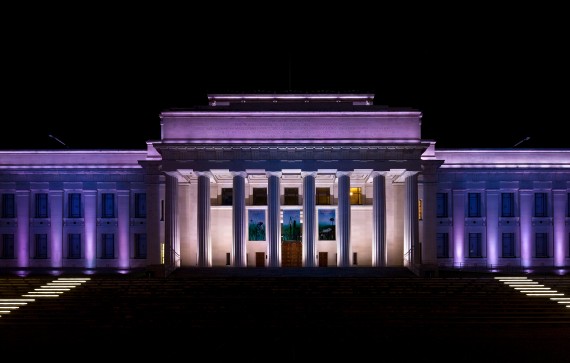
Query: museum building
x=285, y=180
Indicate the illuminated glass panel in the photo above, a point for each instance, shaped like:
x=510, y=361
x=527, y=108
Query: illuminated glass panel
x=356, y=196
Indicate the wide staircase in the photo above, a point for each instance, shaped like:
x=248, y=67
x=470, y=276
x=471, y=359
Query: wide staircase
x=286, y=314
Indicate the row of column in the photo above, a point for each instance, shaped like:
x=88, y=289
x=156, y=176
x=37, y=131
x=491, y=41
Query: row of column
x=239, y=222
x=56, y=231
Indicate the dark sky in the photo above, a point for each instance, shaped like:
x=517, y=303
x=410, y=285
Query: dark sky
x=101, y=78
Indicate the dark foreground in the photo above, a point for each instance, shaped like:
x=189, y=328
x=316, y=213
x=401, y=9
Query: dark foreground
x=288, y=315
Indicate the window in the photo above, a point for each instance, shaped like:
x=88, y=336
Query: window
x=228, y=259
x=540, y=205
x=356, y=196
x=7, y=246
x=475, y=246
x=107, y=245
x=355, y=258
x=108, y=205
x=140, y=245
x=140, y=205
x=442, y=242
x=441, y=205
x=74, y=245
x=227, y=196
x=323, y=196
x=507, y=204
x=8, y=206
x=41, y=246
x=541, y=245
x=259, y=196
x=74, y=205
x=508, y=245
x=291, y=196
x=41, y=205
x=474, y=205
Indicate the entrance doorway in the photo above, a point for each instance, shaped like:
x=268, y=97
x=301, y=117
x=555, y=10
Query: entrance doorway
x=260, y=259
x=323, y=259
x=291, y=254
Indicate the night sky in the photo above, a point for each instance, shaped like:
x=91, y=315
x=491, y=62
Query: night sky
x=99, y=80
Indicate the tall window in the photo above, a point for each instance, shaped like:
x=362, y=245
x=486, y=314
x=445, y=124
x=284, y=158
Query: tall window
x=540, y=205
x=441, y=205
x=474, y=205
x=475, y=245
x=442, y=242
x=41, y=205
x=323, y=196
x=140, y=245
x=41, y=246
x=74, y=245
x=291, y=196
x=259, y=196
x=8, y=206
x=420, y=209
x=227, y=196
x=541, y=244
x=7, y=246
x=356, y=196
x=508, y=245
x=108, y=205
x=74, y=205
x=107, y=245
x=140, y=205
x=507, y=204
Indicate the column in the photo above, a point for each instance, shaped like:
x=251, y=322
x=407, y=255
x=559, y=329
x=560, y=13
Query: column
x=90, y=233
x=154, y=219
x=204, y=237
x=309, y=205
x=343, y=219
x=526, y=203
x=411, y=231
x=428, y=231
x=239, y=250
x=273, y=220
x=493, y=236
x=171, y=220
x=23, y=229
x=56, y=227
x=123, y=223
x=559, y=198
x=379, y=219
x=458, y=210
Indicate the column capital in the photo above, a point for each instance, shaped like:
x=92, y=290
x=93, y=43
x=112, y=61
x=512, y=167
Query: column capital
x=273, y=173
x=343, y=173
x=378, y=173
x=176, y=174
x=309, y=173
x=243, y=174
x=207, y=174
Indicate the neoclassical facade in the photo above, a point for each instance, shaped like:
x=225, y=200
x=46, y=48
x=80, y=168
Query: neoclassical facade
x=285, y=180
